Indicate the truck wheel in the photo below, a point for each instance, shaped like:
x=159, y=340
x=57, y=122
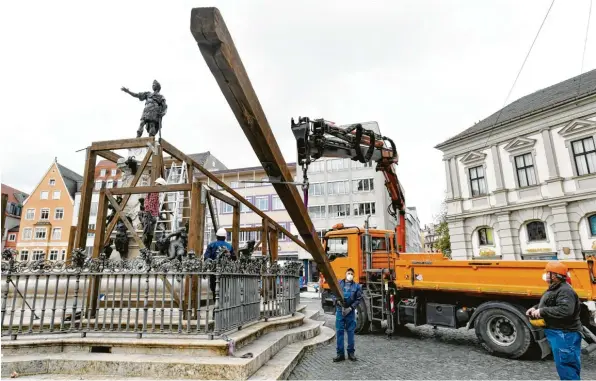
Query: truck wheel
x=362, y=322
x=503, y=334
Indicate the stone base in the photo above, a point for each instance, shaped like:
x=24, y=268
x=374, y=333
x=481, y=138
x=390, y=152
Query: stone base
x=168, y=357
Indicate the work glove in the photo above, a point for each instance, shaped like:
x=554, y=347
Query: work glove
x=346, y=310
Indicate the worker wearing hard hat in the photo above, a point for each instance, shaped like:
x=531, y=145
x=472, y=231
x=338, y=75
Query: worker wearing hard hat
x=213, y=251
x=559, y=311
x=345, y=316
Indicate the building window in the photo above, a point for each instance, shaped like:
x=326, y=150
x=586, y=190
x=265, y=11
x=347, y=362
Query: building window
x=57, y=233
x=584, y=154
x=592, y=222
x=526, y=176
x=338, y=187
x=27, y=233
x=24, y=255
x=98, y=184
x=120, y=182
x=30, y=215
x=45, y=195
x=536, y=231
x=363, y=185
x=53, y=255
x=56, y=195
x=316, y=189
x=234, y=184
x=110, y=184
x=91, y=230
x=45, y=214
x=477, y=183
x=364, y=208
x=13, y=209
x=93, y=210
x=317, y=166
x=226, y=208
x=102, y=173
x=58, y=213
x=12, y=237
x=356, y=164
x=334, y=165
x=245, y=208
x=342, y=210
x=262, y=202
x=276, y=203
x=40, y=233
x=63, y=254
x=52, y=182
x=316, y=211
x=485, y=237
x=38, y=255
x=114, y=171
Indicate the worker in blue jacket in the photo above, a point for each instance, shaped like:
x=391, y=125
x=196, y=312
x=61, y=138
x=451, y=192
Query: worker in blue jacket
x=345, y=317
x=214, y=249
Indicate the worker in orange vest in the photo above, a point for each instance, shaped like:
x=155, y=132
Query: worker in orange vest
x=559, y=308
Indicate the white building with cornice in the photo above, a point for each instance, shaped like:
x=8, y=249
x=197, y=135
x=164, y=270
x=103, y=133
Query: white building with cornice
x=521, y=184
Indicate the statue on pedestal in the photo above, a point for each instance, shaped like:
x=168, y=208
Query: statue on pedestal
x=155, y=109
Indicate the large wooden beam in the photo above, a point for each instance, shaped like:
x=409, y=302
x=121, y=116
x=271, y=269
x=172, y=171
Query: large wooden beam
x=100, y=224
x=152, y=189
x=167, y=147
x=125, y=199
x=121, y=144
x=86, y=196
x=111, y=156
x=222, y=58
x=3, y=218
x=236, y=228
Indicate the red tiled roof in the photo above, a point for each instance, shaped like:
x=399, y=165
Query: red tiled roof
x=10, y=191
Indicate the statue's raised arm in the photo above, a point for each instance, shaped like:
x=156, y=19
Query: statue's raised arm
x=125, y=89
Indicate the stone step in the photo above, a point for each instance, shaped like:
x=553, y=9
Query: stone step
x=164, y=365
x=284, y=362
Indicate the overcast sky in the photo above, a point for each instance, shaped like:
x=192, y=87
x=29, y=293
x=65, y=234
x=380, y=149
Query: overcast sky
x=425, y=70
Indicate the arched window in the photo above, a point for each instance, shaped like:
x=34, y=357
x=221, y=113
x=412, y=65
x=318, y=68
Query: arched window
x=592, y=222
x=536, y=231
x=485, y=237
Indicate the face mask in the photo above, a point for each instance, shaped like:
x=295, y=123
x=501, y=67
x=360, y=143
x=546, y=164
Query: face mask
x=349, y=277
x=546, y=277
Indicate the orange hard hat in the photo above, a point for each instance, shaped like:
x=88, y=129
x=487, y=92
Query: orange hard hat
x=556, y=267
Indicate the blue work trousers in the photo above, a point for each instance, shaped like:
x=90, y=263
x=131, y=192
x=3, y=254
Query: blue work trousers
x=566, y=348
x=343, y=324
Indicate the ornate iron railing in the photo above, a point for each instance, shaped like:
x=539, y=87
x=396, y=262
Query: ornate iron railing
x=146, y=295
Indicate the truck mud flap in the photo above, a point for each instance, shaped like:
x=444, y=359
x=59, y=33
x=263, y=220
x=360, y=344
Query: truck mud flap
x=540, y=339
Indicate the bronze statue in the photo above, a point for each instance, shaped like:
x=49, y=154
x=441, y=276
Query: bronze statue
x=121, y=241
x=155, y=109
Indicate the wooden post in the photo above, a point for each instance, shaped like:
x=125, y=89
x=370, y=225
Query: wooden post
x=156, y=163
x=71, y=240
x=236, y=228
x=195, y=243
x=264, y=236
x=86, y=195
x=100, y=224
x=197, y=219
x=273, y=243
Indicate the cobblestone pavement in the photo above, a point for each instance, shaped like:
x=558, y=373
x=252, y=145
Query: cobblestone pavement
x=423, y=353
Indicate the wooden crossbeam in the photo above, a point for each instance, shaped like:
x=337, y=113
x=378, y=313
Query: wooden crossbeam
x=220, y=196
x=167, y=147
x=121, y=144
x=152, y=189
x=217, y=47
x=120, y=215
x=125, y=199
x=111, y=156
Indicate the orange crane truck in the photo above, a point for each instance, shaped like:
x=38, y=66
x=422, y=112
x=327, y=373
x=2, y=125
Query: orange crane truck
x=489, y=296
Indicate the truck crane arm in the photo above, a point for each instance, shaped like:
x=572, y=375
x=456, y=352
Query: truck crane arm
x=319, y=138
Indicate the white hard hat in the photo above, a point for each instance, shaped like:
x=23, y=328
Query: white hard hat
x=160, y=181
x=221, y=232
